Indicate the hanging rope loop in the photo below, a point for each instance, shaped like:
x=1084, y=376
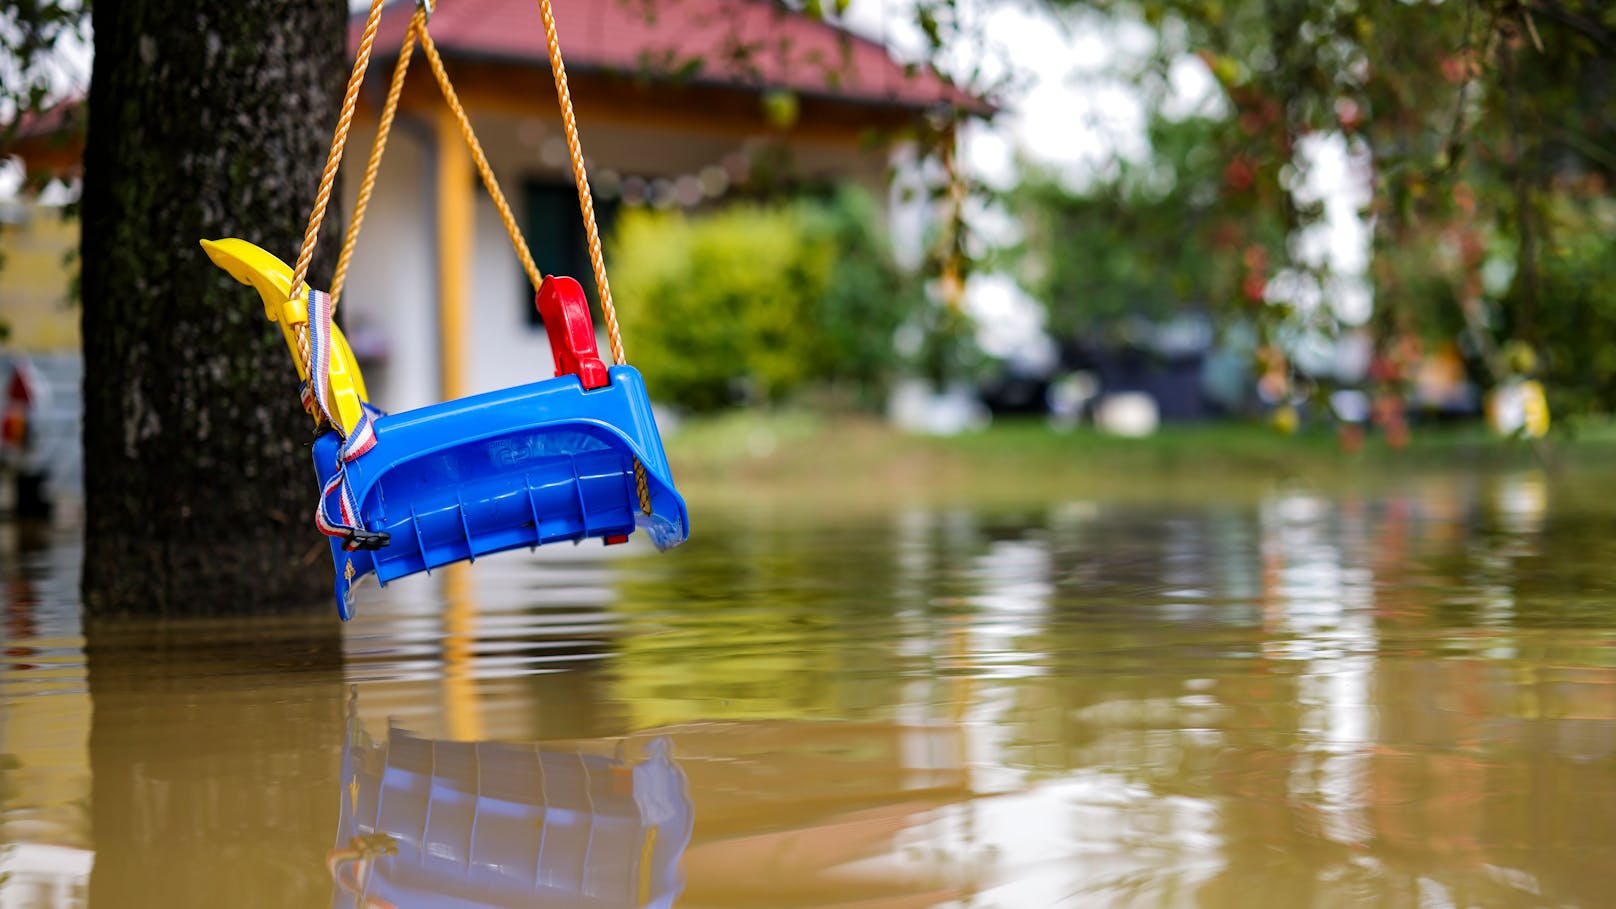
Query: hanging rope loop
x=314, y=345
x=415, y=33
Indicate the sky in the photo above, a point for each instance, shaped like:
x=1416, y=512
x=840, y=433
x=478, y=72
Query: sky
x=1071, y=107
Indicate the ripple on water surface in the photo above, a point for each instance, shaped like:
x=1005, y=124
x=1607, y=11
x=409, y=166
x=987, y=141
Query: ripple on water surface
x=1303, y=698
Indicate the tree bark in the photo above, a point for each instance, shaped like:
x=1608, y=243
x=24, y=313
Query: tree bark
x=206, y=120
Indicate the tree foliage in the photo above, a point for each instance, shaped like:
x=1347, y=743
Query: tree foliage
x=1576, y=321
x=32, y=33
x=1486, y=126
x=1159, y=235
x=760, y=302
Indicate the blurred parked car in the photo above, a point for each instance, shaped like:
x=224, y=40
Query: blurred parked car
x=39, y=430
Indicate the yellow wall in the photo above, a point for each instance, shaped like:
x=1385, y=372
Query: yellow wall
x=35, y=280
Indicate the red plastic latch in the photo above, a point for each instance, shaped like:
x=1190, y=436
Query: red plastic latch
x=21, y=390
x=614, y=539
x=19, y=400
x=565, y=311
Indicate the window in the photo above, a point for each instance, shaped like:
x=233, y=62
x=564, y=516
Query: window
x=555, y=236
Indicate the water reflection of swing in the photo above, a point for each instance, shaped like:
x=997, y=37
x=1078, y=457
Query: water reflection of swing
x=490, y=824
x=792, y=812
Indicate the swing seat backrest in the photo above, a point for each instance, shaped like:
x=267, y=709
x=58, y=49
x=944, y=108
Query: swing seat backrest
x=540, y=463
x=522, y=467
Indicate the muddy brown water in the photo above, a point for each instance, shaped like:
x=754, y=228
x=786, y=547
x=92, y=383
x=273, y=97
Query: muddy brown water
x=1289, y=696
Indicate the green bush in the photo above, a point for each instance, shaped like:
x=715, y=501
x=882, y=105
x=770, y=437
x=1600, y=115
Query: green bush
x=755, y=304
x=1574, y=317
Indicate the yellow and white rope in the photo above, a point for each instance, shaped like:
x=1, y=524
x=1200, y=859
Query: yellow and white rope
x=586, y=205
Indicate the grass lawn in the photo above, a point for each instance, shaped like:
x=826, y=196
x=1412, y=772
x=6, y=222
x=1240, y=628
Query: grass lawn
x=853, y=462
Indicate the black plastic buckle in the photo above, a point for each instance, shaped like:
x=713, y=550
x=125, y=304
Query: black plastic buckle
x=365, y=539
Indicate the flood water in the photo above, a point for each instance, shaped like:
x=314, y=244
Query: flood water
x=1396, y=696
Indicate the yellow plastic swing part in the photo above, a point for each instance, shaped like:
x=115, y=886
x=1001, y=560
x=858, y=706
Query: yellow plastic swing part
x=272, y=278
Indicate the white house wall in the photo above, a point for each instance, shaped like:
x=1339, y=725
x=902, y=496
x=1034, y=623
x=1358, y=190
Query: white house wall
x=390, y=302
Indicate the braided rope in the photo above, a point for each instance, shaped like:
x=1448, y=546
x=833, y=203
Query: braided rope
x=487, y=172
x=586, y=205
x=586, y=202
x=329, y=177
x=416, y=31
x=383, y=127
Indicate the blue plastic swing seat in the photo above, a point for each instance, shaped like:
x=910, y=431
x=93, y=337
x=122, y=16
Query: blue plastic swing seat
x=535, y=464
x=521, y=467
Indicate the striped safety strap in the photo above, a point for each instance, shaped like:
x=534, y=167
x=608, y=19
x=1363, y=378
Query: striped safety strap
x=345, y=520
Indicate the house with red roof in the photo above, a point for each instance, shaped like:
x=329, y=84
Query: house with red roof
x=680, y=103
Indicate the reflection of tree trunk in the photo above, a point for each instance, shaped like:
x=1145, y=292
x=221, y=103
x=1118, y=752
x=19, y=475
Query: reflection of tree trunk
x=214, y=765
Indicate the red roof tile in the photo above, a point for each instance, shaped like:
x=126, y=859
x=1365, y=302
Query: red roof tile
x=61, y=117
x=752, y=44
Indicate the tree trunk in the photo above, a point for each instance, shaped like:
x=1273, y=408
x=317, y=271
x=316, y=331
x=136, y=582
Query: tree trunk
x=206, y=120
